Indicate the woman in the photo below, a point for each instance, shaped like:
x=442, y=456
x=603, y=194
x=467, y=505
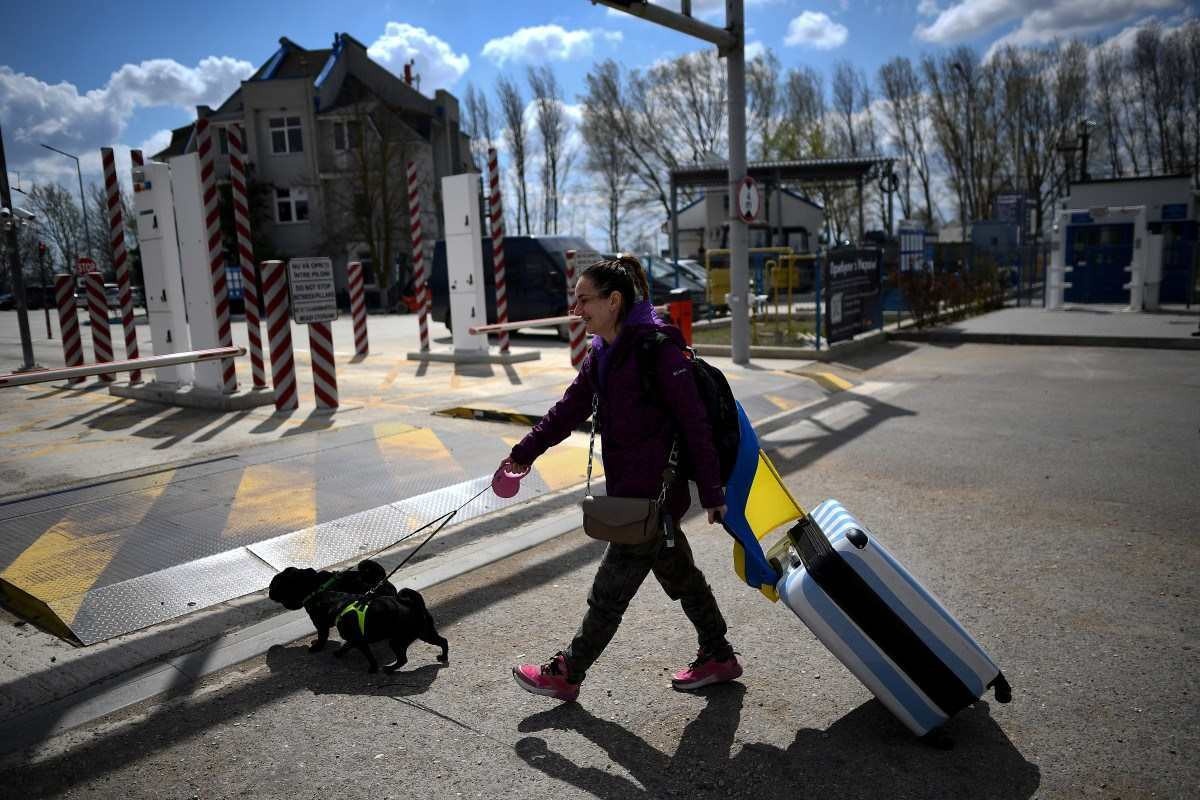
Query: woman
x=637, y=433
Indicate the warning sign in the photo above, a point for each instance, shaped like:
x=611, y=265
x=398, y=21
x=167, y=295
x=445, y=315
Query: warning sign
x=311, y=290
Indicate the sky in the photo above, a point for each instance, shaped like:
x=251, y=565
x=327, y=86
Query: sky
x=126, y=75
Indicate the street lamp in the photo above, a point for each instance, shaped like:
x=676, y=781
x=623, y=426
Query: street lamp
x=87, y=228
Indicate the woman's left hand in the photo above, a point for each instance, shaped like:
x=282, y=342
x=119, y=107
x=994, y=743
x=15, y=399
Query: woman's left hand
x=716, y=514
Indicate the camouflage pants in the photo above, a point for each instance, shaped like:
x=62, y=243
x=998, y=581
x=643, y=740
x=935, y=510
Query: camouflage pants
x=621, y=573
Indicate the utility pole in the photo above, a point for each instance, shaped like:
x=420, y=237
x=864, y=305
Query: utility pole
x=10, y=221
x=730, y=42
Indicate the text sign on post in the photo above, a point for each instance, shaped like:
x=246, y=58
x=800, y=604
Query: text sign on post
x=311, y=290
x=852, y=284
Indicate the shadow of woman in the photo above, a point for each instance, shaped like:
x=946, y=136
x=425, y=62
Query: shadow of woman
x=866, y=753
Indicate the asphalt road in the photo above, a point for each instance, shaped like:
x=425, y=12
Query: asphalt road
x=1048, y=496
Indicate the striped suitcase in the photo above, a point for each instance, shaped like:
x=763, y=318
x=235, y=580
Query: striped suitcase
x=888, y=629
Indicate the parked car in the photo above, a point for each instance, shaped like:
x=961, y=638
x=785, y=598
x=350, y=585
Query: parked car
x=535, y=272
x=35, y=297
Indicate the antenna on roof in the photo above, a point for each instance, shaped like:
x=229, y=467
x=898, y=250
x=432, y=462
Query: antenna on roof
x=409, y=76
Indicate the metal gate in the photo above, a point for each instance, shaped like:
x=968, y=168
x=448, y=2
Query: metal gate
x=1178, y=272
x=1098, y=255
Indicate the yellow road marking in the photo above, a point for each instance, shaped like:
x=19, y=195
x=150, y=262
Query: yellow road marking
x=781, y=402
x=269, y=494
x=65, y=561
x=830, y=381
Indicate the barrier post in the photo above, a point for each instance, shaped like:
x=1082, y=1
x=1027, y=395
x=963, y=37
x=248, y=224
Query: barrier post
x=495, y=211
x=116, y=237
x=279, y=335
x=576, y=330
x=358, y=307
x=320, y=348
x=98, y=309
x=68, y=322
x=418, y=254
x=241, y=220
x=210, y=201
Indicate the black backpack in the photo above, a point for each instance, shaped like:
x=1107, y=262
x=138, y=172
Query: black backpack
x=719, y=404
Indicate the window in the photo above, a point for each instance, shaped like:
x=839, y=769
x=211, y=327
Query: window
x=223, y=141
x=347, y=135
x=285, y=135
x=291, y=205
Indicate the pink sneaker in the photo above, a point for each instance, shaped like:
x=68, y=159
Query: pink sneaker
x=548, y=680
x=705, y=671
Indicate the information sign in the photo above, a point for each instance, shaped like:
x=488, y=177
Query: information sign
x=311, y=290
x=852, y=292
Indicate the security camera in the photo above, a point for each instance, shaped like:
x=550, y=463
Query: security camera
x=5, y=212
x=25, y=213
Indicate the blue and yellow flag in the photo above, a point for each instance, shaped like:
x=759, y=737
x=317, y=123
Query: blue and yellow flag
x=757, y=503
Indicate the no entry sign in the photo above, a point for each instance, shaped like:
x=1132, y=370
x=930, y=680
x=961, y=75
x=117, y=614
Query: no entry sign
x=749, y=199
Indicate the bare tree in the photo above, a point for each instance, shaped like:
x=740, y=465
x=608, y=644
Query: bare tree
x=552, y=127
x=479, y=123
x=907, y=104
x=1108, y=105
x=608, y=160
x=848, y=87
x=512, y=109
x=765, y=103
x=61, y=221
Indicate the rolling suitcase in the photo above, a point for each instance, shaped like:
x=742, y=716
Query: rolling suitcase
x=880, y=622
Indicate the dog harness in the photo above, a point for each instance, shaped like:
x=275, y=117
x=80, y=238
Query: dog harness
x=361, y=610
x=320, y=589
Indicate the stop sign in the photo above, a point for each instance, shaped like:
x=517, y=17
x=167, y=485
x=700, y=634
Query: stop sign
x=84, y=265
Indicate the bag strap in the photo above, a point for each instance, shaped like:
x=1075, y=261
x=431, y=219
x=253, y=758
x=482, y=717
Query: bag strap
x=669, y=473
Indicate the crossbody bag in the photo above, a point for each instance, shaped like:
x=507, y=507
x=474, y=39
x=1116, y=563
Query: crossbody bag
x=624, y=520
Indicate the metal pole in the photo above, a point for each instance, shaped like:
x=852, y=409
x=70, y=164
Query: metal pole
x=14, y=265
x=46, y=287
x=87, y=228
x=739, y=269
x=675, y=222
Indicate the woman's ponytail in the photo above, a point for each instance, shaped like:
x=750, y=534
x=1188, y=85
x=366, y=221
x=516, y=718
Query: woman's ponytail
x=623, y=274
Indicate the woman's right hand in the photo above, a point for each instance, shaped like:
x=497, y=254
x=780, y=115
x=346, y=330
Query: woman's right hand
x=513, y=468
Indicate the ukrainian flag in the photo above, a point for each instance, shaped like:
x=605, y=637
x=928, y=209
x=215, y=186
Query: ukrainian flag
x=757, y=503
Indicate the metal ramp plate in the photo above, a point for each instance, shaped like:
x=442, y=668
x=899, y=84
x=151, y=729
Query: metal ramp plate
x=96, y=562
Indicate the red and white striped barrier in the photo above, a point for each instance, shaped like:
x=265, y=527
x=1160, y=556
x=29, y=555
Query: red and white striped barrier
x=74, y=374
x=116, y=232
x=68, y=322
x=358, y=307
x=577, y=334
x=216, y=256
x=418, y=254
x=135, y=158
x=279, y=335
x=98, y=309
x=496, y=212
x=320, y=349
x=241, y=219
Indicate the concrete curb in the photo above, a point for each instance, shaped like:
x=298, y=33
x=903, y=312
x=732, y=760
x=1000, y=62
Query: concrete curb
x=179, y=672
x=832, y=353
x=965, y=337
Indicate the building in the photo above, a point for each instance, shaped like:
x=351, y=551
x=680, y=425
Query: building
x=1099, y=252
x=307, y=117
x=785, y=218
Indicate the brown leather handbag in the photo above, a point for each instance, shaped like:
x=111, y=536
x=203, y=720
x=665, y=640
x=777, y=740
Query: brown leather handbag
x=624, y=520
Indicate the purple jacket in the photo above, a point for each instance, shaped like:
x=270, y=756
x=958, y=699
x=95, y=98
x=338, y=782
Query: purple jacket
x=636, y=432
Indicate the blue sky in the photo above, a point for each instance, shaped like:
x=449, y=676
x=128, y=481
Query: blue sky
x=78, y=78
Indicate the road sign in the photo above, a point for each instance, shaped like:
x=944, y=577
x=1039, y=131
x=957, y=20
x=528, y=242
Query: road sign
x=311, y=290
x=84, y=265
x=749, y=199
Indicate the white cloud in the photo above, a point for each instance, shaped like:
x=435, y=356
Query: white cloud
x=755, y=49
x=436, y=62
x=1041, y=21
x=815, y=29
x=928, y=8
x=546, y=43
x=59, y=115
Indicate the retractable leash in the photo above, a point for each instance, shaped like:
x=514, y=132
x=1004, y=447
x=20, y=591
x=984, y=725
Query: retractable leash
x=445, y=520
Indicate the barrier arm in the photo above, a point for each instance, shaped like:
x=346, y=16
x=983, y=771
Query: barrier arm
x=128, y=365
x=544, y=322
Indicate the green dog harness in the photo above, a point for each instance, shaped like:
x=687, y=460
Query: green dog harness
x=361, y=610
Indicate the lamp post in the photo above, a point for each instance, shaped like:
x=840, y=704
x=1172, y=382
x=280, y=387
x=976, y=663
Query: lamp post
x=12, y=219
x=87, y=228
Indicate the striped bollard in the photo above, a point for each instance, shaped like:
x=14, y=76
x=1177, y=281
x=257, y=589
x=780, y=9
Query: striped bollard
x=241, y=218
x=279, y=335
x=358, y=307
x=68, y=322
x=206, y=149
x=320, y=348
x=98, y=309
x=495, y=211
x=418, y=251
x=577, y=332
x=116, y=231
x=135, y=158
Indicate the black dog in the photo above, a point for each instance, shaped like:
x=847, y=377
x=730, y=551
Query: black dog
x=294, y=588
x=361, y=620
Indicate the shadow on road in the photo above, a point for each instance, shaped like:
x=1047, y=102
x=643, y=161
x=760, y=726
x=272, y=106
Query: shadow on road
x=864, y=754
